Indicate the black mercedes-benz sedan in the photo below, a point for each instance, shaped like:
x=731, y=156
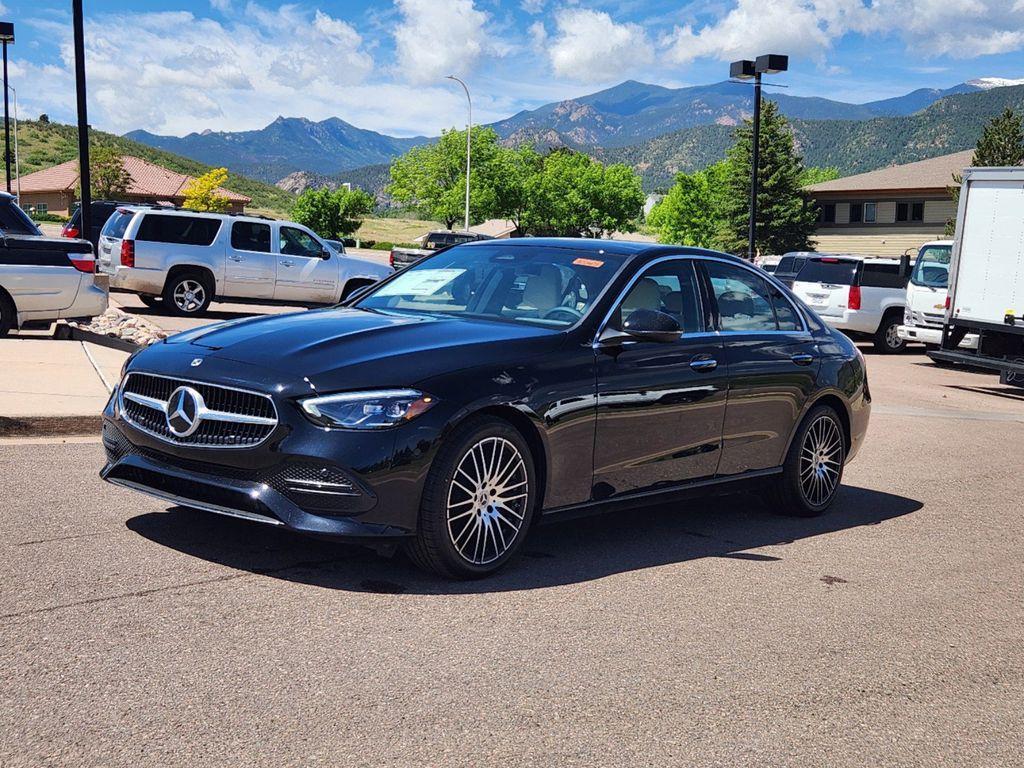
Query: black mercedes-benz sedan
x=456, y=403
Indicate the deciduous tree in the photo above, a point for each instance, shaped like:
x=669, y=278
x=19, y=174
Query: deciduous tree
x=107, y=175
x=201, y=193
x=332, y=214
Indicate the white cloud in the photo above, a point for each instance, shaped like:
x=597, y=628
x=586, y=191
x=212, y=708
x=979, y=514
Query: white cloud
x=435, y=39
x=224, y=6
x=589, y=46
x=534, y=7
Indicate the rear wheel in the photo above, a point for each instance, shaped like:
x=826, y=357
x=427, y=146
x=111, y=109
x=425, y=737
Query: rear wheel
x=478, y=502
x=887, y=338
x=187, y=294
x=813, y=470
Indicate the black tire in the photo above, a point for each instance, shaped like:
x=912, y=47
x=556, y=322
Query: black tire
x=8, y=315
x=153, y=302
x=183, y=285
x=886, y=340
x=790, y=495
x=447, y=545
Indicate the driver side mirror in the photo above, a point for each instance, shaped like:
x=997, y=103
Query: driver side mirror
x=325, y=254
x=651, y=325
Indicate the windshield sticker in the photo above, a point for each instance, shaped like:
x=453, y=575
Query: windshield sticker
x=420, y=282
x=594, y=263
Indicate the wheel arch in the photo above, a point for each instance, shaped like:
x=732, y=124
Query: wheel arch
x=837, y=404
x=178, y=269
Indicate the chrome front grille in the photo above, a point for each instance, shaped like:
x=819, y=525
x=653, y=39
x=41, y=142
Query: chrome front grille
x=226, y=417
x=926, y=319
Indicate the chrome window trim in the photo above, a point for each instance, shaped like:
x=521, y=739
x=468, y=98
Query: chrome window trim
x=241, y=418
x=693, y=259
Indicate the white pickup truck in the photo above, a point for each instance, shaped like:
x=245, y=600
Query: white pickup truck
x=986, y=284
x=863, y=296
x=181, y=260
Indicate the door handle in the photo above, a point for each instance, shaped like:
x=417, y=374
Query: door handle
x=287, y=263
x=235, y=258
x=704, y=364
x=803, y=359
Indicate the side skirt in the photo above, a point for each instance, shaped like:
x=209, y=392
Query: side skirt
x=715, y=486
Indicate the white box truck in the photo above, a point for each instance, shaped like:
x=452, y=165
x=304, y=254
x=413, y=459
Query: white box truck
x=986, y=284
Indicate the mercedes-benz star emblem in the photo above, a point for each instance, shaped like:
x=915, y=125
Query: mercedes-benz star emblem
x=184, y=411
x=197, y=361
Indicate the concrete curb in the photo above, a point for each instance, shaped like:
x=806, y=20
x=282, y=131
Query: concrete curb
x=49, y=426
x=78, y=334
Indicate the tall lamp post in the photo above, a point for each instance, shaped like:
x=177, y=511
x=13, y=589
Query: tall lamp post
x=17, y=159
x=469, y=137
x=6, y=36
x=83, y=118
x=768, y=64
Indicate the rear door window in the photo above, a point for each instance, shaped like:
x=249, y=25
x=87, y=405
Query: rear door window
x=250, y=236
x=877, y=275
x=180, y=230
x=744, y=299
x=831, y=271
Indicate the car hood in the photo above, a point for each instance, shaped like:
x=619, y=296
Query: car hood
x=342, y=348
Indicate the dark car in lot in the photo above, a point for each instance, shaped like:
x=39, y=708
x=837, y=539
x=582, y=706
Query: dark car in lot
x=490, y=385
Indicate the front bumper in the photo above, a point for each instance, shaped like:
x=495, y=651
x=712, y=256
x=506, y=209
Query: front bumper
x=927, y=335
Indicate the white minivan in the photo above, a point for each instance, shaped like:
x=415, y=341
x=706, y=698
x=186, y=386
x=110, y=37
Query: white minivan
x=181, y=260
x=926, y=297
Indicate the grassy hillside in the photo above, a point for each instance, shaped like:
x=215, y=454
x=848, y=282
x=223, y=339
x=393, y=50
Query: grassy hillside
x=42, y=145
x=949, y=125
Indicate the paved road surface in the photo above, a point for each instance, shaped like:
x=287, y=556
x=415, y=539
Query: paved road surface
x=888, y=632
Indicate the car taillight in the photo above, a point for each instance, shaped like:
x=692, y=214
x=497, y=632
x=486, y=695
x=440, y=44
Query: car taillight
x=127, y=253
x=69, y=231
x=853, y=301
x=82, y=262
x=391, y=259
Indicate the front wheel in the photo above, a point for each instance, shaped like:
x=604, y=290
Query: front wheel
x=478, y=502
x=813, y=470
x=887, y=338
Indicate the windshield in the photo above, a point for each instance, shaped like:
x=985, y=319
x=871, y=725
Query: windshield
x=833, y=271
x=522, y=284
x=932, y=266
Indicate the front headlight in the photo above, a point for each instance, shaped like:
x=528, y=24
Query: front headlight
x=377, y=409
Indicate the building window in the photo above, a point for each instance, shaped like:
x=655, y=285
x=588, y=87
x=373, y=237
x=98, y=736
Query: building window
x=827, y=213
x=870, y=210
x=42, y=207
x=856, y=213
x=909, y=211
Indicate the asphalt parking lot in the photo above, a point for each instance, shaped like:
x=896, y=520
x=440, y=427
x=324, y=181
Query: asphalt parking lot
x=888, y=632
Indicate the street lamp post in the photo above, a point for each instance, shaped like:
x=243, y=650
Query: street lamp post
x=469, y=136
x=17, y=157
x=6, y=36
x=745, y=69
x=83, y=119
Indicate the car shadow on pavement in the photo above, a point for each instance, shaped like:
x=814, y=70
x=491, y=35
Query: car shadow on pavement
x=557, y=554
x=212, y=315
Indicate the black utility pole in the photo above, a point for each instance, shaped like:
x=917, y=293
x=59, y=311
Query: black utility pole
x=7, y=36
x=83, y=119
x=745, y=69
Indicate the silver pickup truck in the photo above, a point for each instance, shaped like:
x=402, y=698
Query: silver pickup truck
x=181, y=260
x=432, y=241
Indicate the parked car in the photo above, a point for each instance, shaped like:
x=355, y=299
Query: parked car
x=862, y=296
x=926, y=297
x=986, y=286
x=43, y=279
x=432, y=241
x=789, y=266
x=99, y=212
x=184, y=259
x=492, y=384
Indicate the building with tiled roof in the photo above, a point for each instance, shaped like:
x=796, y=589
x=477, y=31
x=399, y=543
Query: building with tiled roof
x=53, y=190
x=888, y=211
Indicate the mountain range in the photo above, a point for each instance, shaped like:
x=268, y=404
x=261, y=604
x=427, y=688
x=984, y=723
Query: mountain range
x=657, y=130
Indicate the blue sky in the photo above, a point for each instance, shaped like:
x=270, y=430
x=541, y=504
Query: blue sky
x=185, y=65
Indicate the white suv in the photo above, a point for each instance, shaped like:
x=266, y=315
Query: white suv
x=181, y=260
x=860, y=295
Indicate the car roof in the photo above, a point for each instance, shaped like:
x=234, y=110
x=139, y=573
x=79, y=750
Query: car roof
x=175, y=211
x=619, y=247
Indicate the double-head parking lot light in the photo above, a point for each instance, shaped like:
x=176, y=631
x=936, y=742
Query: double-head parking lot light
x=6, y=36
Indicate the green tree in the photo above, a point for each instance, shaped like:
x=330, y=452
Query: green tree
x=1001, y=144
x=203, y=193
x=108, y=178
x=432, y=177
x=332, y=214
x=514, y=184
x=785, y=217
x=816, y=175
x=691, y=211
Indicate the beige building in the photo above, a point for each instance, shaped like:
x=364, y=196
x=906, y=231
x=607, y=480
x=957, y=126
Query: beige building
x=888, y=211
x=53, y=190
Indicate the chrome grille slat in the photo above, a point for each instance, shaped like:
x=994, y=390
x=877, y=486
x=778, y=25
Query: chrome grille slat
x=233, y=418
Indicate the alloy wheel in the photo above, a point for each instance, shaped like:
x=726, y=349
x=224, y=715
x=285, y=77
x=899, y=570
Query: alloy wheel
x=487, y=500
x=820, y=460
x=189, y=295
x=892, y=336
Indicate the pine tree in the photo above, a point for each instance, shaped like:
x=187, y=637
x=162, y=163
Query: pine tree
x=1001, y=144
x=785, y=217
